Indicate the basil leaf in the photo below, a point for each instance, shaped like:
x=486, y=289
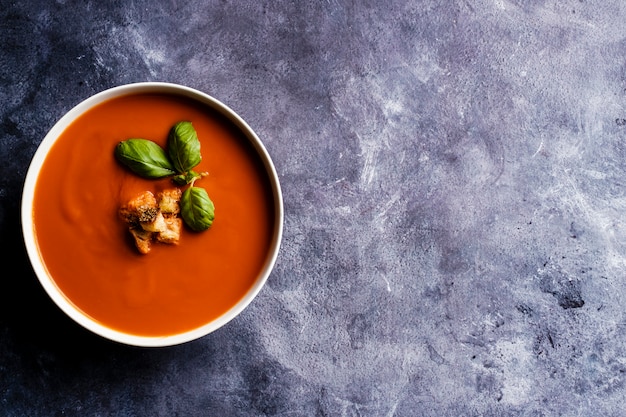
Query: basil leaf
x=197, y=209
x=183, y=147
x=145, y=158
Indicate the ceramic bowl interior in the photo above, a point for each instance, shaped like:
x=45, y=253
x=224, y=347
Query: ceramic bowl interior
x=30, y=239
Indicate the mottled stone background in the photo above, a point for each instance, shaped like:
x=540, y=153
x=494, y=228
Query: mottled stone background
x=454, y=184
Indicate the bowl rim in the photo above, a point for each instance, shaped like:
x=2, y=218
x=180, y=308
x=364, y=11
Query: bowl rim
x=30, y=240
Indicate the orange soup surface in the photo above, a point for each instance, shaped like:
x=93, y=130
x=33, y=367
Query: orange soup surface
x=88, y=249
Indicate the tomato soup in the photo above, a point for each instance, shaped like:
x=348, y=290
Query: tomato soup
x=88, y=250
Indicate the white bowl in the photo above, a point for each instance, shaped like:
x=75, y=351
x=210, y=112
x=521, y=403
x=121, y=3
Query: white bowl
x=30, y=236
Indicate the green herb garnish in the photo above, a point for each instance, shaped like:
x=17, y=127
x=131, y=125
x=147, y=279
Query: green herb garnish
x=145, y=158
x=197, y=209
x=183, y=147
x=187, y=178
x=148, y=160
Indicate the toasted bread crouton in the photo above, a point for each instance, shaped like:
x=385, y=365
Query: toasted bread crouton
x=151, y=219
x=156, y=225
x=142, y=208
x=143, y=239
x=172, y=234
x=169, y=201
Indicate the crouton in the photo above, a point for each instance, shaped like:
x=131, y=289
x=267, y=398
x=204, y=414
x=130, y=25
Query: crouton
x=142, y=208
x=157, y=224
x=143, y=239
x=172, y=233
x=151, y=219
x=168, y=201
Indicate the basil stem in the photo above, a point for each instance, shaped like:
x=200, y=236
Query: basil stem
x=145, y=158
x=183, y=147
x=187, y=178
x=197, y=209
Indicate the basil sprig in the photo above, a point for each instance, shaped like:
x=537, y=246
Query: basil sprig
x=148, y=160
